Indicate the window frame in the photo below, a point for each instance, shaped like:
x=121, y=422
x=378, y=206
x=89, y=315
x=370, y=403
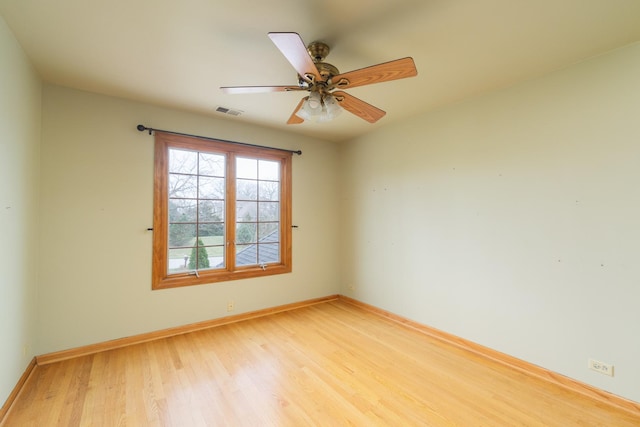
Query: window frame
x=160, y=277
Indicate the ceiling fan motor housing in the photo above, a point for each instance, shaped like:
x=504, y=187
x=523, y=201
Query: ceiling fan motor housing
x=326, y=70
x=318, y=51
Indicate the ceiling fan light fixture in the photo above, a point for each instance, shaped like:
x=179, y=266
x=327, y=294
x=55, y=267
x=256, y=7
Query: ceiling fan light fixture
x=330, y=109
x=304, y=111
x=311, y=107
x=320, y=108
x=314, y=103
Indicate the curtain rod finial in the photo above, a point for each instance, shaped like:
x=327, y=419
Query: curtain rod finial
x=143, y=128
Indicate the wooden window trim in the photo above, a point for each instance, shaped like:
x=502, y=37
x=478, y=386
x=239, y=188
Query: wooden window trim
x=160, y=278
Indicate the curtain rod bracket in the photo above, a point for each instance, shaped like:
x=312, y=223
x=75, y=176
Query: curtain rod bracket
x=142, y=128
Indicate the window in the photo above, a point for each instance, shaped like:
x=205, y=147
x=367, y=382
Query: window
x=222, y=211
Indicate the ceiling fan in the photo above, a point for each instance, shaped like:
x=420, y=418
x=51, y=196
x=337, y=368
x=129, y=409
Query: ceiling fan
x=324, y=82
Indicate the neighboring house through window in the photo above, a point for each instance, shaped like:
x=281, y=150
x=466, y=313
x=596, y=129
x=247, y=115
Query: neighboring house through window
x=222, y=211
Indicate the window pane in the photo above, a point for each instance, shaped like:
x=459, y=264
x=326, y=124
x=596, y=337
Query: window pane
x=246, y=211
x=269, y=170
x=211, y=188
x=268, y=232
x=181, y=235
x=246, y=255
x=178, y=260
x=210, y=234
x=183, y=161
x=268, y=253
x=218, y=262
x=246, y=189
x=183, y=186
x=211, y=241
x=246, y=168
x=199, y=259
x=216, y=255
x=211, y=164
x=182, y=210
x=268, y=190
x=268, y=211
x=211, y=211
x=246, y=232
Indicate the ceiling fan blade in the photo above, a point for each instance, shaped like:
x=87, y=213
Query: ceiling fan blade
x=393, y=70
x=358, y=107
x=258, y=89
x=294, y=120
x=293, y=48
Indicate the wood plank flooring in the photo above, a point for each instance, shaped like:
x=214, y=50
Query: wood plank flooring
x=330, y=364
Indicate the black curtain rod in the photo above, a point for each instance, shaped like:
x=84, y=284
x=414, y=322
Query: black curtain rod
x=142, y=128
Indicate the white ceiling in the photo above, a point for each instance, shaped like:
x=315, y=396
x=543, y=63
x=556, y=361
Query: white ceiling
x=179, y=52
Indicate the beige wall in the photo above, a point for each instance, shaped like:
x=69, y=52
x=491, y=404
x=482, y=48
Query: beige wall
x=512, y=220
x=97, y=169
x=20, y=98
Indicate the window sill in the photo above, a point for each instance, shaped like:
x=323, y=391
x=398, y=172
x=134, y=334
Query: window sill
x=206, y=277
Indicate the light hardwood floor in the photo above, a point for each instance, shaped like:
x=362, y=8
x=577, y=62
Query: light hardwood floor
x=329, y=364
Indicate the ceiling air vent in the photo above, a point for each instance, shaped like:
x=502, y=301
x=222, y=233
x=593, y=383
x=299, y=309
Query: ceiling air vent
x=229, y=111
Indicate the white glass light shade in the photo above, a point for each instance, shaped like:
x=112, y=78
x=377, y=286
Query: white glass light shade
x=331, y=109
x=312, y=107
x=303, y=112
x=320, y=108
x=314, y=103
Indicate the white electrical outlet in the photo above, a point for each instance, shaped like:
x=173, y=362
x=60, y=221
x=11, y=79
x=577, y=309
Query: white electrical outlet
x=230, y=306
x=603, y=368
